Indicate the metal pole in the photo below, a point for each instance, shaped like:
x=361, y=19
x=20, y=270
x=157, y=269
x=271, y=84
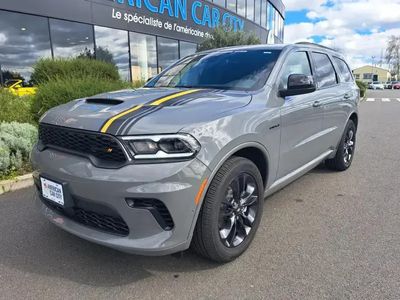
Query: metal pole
x=1, y=76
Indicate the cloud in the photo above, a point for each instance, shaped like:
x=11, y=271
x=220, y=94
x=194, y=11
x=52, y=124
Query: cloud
x=293, y=5
x=358, y=28
x=3, y=38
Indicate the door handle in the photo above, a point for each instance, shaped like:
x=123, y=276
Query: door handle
x=316, y=104
x=346, y=96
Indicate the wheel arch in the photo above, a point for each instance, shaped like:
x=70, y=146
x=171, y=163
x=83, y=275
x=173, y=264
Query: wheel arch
x=246, y=150
x=354, y=118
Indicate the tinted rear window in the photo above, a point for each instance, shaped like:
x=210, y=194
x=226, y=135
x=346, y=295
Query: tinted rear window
x=344, y=69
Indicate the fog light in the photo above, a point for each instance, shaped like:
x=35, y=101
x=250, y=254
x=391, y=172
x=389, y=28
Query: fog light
x=130, y=202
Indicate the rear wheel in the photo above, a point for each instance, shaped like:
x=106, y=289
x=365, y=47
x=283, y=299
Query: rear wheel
x=345, y=152
x=231, y=211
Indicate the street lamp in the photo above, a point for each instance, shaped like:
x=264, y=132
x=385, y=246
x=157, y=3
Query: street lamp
x=373, y=67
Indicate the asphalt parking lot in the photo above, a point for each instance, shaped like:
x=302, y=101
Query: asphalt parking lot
x=327, y=235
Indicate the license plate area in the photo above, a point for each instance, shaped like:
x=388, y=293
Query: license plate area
x=52, y=191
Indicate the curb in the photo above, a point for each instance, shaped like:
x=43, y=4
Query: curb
x=15, y=184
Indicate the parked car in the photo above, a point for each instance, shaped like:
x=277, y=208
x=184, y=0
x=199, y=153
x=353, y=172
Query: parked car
x=189, y=158
x=376, y=85
x=387, y=85
x=19, y=87
x=390, y=86
x=396, y=86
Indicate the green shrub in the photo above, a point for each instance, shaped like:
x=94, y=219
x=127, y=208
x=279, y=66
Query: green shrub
x=48, y=69
x=16, y=142
x=14, y=108
x=363, y=87
x=62, y=90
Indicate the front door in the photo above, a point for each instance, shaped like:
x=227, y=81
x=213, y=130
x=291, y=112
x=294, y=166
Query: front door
x=301, y=119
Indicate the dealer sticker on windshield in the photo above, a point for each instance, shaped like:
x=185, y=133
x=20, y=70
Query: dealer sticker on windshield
x=52, y=191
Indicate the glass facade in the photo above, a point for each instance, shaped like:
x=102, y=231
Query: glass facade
x=71, y=39
x=241, y=8
x=23, y=40
x=231, y=5
x=26, y=38
x=168, y=52
x=262, y=12
x=186, y=48
x=250, y=10
x=143, y=56
x=112, y=46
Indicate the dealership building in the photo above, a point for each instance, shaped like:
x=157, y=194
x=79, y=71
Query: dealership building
x=141, y=37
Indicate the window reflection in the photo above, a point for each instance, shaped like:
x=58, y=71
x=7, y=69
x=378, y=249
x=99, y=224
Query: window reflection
x=324, y=71
x=167, y=52
x=187, y=48
x=257, y=10
x=220, y=2
x=112, y=46
x=231, y=5
x=23, y=40
x=71, y=39
x=241, y=7
x=264, y=13
x=250, y=10
x=143, y=56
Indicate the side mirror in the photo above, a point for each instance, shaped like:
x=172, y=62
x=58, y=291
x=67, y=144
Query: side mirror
x=298, y=84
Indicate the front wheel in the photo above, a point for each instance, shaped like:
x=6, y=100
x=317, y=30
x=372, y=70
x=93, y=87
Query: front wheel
x=346, y=149
x=231, y=211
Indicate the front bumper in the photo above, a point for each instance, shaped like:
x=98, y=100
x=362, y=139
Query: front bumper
x=175, y=184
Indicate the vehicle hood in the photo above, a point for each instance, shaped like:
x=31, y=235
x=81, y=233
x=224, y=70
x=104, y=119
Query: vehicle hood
x=146, y=110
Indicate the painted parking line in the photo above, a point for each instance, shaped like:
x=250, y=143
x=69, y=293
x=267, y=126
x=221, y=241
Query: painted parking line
x=370, y=99
x=385, y=100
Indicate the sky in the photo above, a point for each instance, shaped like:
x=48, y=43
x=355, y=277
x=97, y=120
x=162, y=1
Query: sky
x=358, y=28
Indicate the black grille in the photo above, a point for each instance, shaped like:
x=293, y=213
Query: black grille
x=158, y=210
x=103, y=150
x=102, y=222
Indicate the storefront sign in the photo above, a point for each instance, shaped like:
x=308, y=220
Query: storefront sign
x=200, y=13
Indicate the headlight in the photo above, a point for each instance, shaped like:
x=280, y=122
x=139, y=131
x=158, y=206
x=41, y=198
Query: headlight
x=171, y=146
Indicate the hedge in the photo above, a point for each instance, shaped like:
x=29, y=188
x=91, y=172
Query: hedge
x=14, y=108
x=16, y=142
x=62, y=90
x=49, y=69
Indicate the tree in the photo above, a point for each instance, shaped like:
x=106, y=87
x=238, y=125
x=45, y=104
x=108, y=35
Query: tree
x=393, y=53
x=225, y=37
x=104, y=55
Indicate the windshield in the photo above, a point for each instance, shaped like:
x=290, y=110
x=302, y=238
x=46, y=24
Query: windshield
x=10, y=82
x=230, y=70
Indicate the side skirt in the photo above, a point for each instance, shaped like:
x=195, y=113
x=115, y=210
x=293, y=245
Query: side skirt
x=285, y=180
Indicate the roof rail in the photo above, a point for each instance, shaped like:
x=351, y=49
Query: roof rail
x=315, y=45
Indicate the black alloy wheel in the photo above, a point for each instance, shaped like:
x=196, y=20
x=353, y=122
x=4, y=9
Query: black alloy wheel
x=238, y=210
x=231, y=211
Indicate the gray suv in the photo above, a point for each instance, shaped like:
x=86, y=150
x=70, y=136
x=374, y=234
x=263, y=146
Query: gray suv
x=188, y=159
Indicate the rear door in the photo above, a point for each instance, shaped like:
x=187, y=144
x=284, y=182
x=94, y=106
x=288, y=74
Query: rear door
x=301, y=119
x=331, y=94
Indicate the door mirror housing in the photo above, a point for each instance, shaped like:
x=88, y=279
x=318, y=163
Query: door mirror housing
x=298, y=84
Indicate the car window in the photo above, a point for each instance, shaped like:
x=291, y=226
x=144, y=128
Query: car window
x=296, y=63
x=324, y=71
x=344, y=69
x=230, y=69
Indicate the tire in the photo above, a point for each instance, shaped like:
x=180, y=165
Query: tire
x=220, y=211
x=346, y=149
